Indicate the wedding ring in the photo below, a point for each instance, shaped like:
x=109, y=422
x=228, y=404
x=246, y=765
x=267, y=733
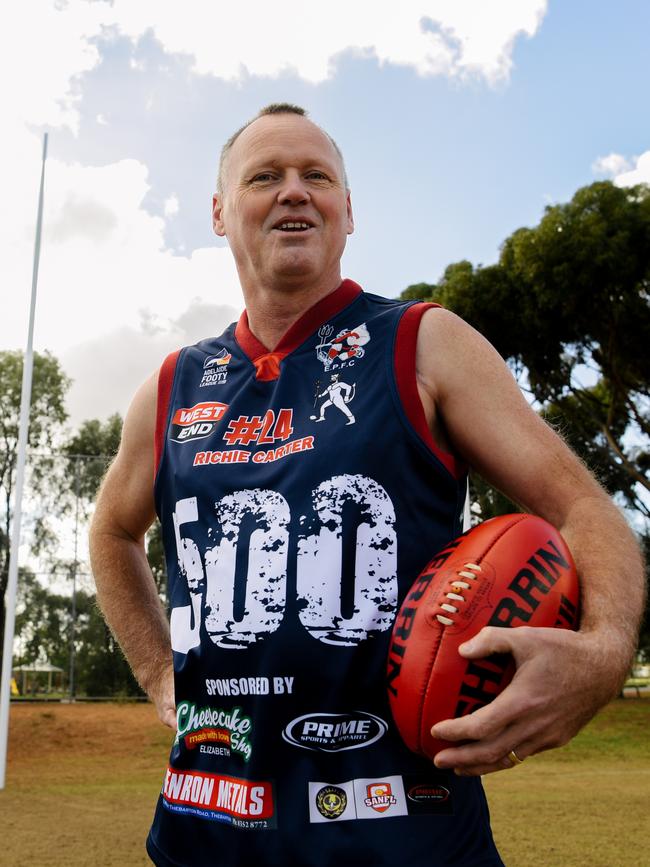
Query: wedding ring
x=514, y=758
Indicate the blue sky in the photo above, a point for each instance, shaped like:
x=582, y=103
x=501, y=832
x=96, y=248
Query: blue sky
x=456, y=131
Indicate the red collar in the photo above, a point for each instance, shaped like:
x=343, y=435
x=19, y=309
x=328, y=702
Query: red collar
x=267, y=362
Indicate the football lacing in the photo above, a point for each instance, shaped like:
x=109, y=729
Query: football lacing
x=458, y=585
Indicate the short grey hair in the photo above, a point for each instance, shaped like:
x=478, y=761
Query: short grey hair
x=272, y=108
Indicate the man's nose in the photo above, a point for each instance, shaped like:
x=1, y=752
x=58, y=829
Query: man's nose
x=293, y=190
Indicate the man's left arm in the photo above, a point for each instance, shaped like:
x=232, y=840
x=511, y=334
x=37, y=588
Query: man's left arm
x=562, y=677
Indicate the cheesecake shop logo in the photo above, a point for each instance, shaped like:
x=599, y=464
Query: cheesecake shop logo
x=202, y=727
x=215, y=368
x=196, y=422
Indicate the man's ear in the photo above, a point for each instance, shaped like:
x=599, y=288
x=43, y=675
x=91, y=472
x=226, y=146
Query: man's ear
x=217, y=219
x=348, y=201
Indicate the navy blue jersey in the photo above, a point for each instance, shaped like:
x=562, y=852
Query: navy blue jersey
x=300, y=494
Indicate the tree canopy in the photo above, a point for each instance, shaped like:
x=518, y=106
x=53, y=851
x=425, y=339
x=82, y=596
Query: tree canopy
x=567, y=306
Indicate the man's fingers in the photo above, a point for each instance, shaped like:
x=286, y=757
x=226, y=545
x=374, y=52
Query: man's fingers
x=511, y=705
x=492, y=755
x=168, y=716
x=505, y=763
x=494, y=639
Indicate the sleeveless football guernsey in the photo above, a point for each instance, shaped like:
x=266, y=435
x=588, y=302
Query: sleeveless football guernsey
x=300, y=494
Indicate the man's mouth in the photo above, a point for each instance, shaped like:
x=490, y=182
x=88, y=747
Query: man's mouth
x=289, y=226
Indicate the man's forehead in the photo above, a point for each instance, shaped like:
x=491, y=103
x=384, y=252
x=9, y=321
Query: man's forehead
x=273, y=136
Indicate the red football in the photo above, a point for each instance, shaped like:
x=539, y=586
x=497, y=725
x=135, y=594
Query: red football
x=514, y=570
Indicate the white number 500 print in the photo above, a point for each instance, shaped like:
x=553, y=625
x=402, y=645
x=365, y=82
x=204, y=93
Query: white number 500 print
x=319, y=568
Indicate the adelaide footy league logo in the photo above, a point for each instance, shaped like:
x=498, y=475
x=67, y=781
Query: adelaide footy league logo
x=215, y=368
x=196, y=422
x=344, y=349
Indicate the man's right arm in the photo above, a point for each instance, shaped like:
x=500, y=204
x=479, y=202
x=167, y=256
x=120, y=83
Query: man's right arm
x=126, y=591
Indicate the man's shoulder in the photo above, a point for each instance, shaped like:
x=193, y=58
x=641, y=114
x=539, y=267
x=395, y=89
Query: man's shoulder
x=386, y=301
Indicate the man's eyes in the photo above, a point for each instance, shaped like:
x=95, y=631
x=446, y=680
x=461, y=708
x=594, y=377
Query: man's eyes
x=265, y=177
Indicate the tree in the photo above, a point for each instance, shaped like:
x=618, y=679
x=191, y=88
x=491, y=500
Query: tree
x=46, y=420
x=42, y=623
x=44, y=631
x=567, y=306
x=91, y=450
x=102, y=669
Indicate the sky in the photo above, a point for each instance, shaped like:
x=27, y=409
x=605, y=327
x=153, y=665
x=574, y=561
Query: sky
x=460, y=121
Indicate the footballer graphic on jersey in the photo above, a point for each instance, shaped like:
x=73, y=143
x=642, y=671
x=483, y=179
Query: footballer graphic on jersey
x=344, y=349
x=338, y=394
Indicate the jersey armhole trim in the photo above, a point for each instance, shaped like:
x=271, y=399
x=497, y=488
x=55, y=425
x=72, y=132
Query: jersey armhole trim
x=407, y=388
x=165, y=382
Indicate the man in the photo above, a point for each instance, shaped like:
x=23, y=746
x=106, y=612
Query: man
x=290, y=546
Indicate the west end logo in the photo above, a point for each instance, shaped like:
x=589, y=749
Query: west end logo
x=334, y=732
x=215, y=368
x=341, y=350
x=196, y=422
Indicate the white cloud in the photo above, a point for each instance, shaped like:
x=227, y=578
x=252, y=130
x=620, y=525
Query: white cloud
x=624, y=171
x=103, y=260
x=171, y=205
x=104, y=257
x=449, y=37
x=611, y=165
x=42, y=46
x=107, y=370
x=638, y=173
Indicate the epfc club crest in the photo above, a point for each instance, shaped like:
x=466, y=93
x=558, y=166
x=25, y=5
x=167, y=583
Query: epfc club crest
x=343, y=349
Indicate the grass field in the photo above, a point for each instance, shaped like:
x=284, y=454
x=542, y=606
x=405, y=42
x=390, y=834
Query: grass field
x=83, y=780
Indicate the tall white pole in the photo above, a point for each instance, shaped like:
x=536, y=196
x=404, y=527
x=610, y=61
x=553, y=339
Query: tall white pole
x=25, y=401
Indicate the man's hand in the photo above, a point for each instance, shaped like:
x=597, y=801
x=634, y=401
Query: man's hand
x=562, y=679
x=161, y=694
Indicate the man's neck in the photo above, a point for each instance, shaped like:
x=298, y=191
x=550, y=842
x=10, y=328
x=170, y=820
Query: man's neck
x=272, y=312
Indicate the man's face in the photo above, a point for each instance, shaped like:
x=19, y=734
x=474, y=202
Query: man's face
x=284, y=207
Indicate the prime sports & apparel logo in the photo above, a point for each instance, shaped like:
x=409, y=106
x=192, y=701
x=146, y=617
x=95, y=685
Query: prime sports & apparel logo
x=215, y=368
x=425, y=793
x=344, y=349
x=334, y=732
x=196, y=422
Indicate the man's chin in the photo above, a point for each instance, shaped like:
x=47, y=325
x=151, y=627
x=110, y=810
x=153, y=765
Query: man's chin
x=294, y=268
